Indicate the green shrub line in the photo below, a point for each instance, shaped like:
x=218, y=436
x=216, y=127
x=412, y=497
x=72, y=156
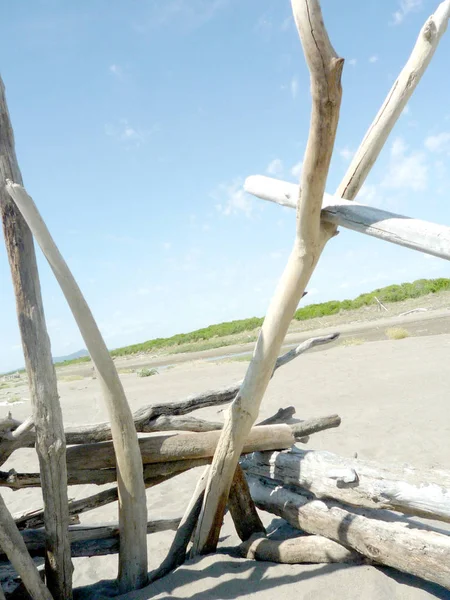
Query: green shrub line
x=386, y=295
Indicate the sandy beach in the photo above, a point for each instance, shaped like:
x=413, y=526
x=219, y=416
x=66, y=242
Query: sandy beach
x=393, y=400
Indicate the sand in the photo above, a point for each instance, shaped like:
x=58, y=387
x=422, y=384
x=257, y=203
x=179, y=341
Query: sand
x=393, y=400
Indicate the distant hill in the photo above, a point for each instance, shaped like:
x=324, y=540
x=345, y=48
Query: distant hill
x=73, y=356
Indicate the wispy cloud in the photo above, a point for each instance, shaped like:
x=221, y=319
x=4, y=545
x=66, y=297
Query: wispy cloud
x=373, y=59
x=294, y=86
x=345, y=153
x=116, y=70
x=128, y=134
x=407, y=170
x=406, y=7
x=439, y=142
x=190, y=14
x=275, y=167
x=297, y=169
x=231, y=199
x=352, y=62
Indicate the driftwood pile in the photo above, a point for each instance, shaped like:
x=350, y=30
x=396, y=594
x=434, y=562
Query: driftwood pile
x=189, y=443
x=346, y=506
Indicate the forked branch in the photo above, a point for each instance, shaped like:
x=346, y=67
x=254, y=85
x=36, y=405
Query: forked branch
x=311, y=236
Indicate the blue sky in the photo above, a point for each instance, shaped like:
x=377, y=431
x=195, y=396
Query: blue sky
x=136, y=123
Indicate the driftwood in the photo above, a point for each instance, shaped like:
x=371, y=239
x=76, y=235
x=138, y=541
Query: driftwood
x=154, y=473
x=416, y=234
x=420, y=552
x=177, y=552
x=158, y=417
x=242, y=509
x=47, y=415
x=403, y=488
x=15, y=549
x=182, y=446
x=311, y=236
x=34, y=519
x=304, y=549
x=88, y=540
x=132, y=498
x=395, y=102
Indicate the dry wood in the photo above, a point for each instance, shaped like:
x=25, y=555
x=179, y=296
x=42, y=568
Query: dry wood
x=14, y=547
x=396, y=100
x=87, y=540
x=242, y=508
x=177, y=552
x=47, y=415
x=421, y=492
x=156, y=417
x=153, y=474
x=132, y=498
x=424, y=236
x=183, y=446
x=420, y=552
x=325, y=68
x=304, y=549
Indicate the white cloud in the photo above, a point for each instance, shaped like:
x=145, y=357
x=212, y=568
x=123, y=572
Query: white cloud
x=406, y=110
x=368, y=195
x=116, y=70
x=275, y=167
x=232, y=199
x=406, y=7
x=294, y=87
x=124, y=132
x=373, y=58
x=297, y=169
x=346, y=153
x=439, y=142
x=352, y=62
x=167, y=245
x=287, y=22
x=277, y=254
x=406, y=170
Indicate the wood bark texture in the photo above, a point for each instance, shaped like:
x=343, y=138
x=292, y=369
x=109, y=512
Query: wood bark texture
x=47, y=415
x=183, y=446
x=242, y=508
x=132, y=498
x=15, y=549
x=403, y=488
x=325, y=68
x=390, y=542
x=303, y=549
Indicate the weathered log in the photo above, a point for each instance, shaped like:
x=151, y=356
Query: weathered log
x=420, y=552
x=47, y=414
x=132, y=499
x=403, y=488
x=88, y=540
x=304, y=549
x=15, y=549
x=395, y=102
x=163, y=448
x=416, y=234
x=242, y=508
x=311, y=236
x=154, y=473
x=157, y=417
x=177, y=552
x=34, y=519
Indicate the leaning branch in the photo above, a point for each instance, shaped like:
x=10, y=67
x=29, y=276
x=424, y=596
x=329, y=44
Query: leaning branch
x=395, y=102
x=311, y=237
x=133, y=503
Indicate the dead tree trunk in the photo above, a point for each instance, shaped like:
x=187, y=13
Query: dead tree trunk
x=311, y=237
x=417, y=551
x=132, y=499
x=368, y=484
x=47, y=415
